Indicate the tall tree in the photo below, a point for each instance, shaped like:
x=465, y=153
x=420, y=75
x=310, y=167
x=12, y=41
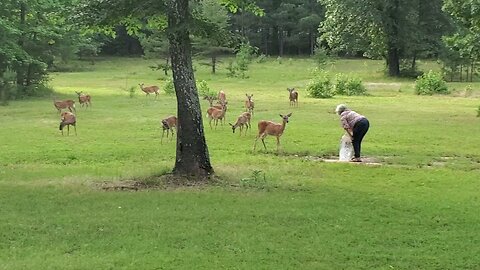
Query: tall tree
x=392, y=29
x=192, y=157
x=463, y=46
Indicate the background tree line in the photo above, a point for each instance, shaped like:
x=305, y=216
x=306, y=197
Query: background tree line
x=40, y=36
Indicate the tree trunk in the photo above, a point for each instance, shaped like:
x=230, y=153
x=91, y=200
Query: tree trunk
x=21, y=41
x=214, y=63
x=280, y=43
x=192, y=158
x=393, y=62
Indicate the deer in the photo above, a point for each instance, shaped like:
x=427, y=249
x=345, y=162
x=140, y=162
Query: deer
x=249, y=104
x=65, y=104
x=242, y=120
x=293, y=96
x=216, y=114
x=84, y=99
x=221, y=97
x=149, y=89
x=270, y=128
x=68, y=119
x=168, y=124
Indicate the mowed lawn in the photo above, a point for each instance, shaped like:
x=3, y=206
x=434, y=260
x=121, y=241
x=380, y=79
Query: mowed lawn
x=419, y=209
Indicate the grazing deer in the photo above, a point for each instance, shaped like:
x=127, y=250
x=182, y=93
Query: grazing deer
x=68, y=119
x=293, y=96
x=242, y=120
x=65, y=104
x=216, y=114
x=149, y=89
x=84, y=99
x=270, y=128
x=249, y=104
x=168, y=124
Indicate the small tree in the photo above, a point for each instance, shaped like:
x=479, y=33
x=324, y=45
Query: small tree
x=321, y=86
x=431, y=83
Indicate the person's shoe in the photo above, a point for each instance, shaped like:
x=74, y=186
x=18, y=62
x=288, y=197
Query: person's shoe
x=355, y=160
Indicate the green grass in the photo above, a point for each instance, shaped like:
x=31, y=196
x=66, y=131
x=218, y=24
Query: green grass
x=418, y=210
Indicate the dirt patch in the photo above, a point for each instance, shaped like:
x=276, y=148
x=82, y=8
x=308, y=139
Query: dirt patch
x=161, y=182
x=335, y=159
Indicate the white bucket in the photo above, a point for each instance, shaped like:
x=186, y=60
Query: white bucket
x=346, y=148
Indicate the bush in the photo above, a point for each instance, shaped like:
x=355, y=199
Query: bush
x=169, y=88
x=321, y=86
x=204, y=89
x=349, y=86
x=431, y=83
x=262, y=58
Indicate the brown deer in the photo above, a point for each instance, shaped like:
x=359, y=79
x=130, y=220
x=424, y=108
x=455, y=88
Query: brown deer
x=149, y=89
x=168, y=124
x=270, y=128
x=242, y=120
x=221, y=97
x=216, y=114
x=65, y=104
x=293, y=96
x=68, y=119
x=84, y=99
x=249, y=104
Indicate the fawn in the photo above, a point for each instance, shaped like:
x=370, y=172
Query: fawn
x=249, y=104
x=84, y=99
x=68, y=119
x=293, y=96
x=242, y=120
x=216, y=114
x=65, y=104
x=168, y=123
x=149, y=89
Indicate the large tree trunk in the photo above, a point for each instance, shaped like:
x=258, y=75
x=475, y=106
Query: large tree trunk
x=192, y=158
x=393, y=62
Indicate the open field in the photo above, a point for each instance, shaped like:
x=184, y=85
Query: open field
x=287, y=210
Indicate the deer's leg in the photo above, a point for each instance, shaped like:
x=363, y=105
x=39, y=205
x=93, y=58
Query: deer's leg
x=210, y=122
x=68, y=130
x=75, y=128
x=278, y=142
x=255, y=143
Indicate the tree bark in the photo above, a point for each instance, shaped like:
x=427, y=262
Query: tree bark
x=192, y=158
x=393, y=62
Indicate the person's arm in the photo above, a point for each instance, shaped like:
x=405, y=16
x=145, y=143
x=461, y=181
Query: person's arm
x=349, y=131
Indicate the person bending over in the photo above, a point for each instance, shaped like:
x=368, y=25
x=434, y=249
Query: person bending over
x=356, y=126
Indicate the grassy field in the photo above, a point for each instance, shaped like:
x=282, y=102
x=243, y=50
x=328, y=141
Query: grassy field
x=286, y=210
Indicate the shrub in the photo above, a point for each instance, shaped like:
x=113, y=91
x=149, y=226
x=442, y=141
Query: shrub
x=349, y=86
x=204, y=89
x=321, y=86
x=262, y=58
x=431, y=83
x=169, y=88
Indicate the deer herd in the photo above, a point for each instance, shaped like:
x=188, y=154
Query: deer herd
x=215, y=113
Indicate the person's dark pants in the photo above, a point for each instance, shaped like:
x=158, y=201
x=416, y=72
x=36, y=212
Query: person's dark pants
x=359, y=131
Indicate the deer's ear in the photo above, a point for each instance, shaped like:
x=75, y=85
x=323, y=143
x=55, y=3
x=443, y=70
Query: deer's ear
x=281, y=115
x=246, y=95
x=290, y=114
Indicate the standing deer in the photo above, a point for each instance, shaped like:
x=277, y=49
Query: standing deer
x=270, y=128
x=249, y=104
x=84, y=99
x=149, y=89
x=68, y=119
x=216, y=114
x=242, y=120
x=221, y=97
x=293, y=96
x=168, y=124
x=65, y=104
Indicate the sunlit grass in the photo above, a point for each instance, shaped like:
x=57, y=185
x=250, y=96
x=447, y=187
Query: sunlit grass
x=418, y=210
